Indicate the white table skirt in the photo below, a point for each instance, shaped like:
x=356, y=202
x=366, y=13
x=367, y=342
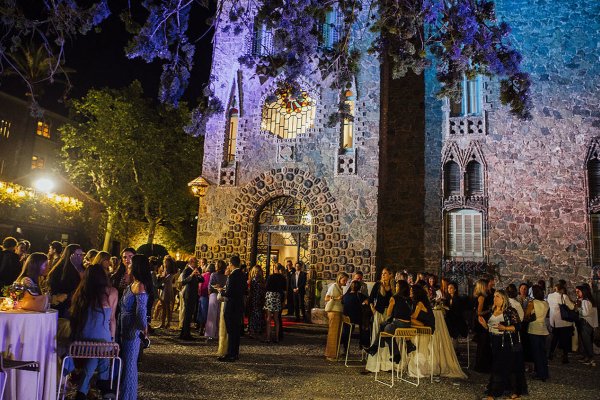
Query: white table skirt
x=30, y=336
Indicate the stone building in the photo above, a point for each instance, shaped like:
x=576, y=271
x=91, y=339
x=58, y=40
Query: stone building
x=413, y=180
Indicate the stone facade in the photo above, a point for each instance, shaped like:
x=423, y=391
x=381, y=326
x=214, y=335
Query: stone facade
x=383, y=203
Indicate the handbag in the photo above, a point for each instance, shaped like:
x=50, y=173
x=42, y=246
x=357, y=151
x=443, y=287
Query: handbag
x=331, y=303
x=566, y=314
x=30, y=302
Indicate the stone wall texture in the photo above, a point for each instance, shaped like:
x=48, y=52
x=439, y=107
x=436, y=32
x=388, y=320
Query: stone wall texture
x=388, y=210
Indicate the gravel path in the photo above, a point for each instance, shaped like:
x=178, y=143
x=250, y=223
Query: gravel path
x=296, y=369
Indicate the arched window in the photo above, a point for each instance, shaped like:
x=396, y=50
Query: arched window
x=474, y=178
x=594, y=177
x=464, y=234
x=471, y=98
x=231, y=136
x=595, y=225
x=348, y=123
x=451, y=179
x=288, y=114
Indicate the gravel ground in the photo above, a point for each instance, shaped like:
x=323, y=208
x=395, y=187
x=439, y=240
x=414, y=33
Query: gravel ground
x=296, y=369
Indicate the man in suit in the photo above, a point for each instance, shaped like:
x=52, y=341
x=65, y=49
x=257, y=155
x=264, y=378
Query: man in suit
x=299, y=290
x=290, y=292
x=234, y=309
x=190, y=278
x=10, y=266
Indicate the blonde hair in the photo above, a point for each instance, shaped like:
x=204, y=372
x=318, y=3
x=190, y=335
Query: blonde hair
x=340, y=276
x=392, y=283
x=505, y=301
x=101, y=257
x=480, y=288
x=256, y=271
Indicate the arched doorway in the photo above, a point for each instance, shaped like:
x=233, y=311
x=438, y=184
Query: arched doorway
x=281, y=232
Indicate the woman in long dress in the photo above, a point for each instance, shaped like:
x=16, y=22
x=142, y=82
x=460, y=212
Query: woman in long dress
x=133, y=322
x=256, y=302
x=217, y=281
x=334, y=296
x=223, y=337
x=483, y=303
x=379, y=299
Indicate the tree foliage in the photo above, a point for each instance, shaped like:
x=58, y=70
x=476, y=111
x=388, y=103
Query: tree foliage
x=133, y=156
x=464, y=36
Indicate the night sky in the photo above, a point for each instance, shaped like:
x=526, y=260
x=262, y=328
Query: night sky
x=99, y=60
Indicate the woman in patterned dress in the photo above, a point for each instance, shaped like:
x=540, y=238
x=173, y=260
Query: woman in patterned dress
x=133, y=325
x=256, y=302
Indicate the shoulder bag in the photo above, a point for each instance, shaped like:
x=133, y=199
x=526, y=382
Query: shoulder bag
x=331, y=303
x=39, y=303
x=566, y=314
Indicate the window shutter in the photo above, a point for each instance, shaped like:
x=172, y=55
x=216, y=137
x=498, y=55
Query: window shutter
x=464, y=234
x=468, y=234
x=477, y=235
x=451, y=178
x=451, y=234
x=595, y=220
x=594, y=177
x=474, y=178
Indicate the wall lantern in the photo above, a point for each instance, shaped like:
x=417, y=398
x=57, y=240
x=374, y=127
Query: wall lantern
x=199, y=186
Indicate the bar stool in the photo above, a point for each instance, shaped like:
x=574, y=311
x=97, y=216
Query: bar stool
x=86, y=350
x=402, y=335
x=6, y=365
x=424, y=331
x=346, y=321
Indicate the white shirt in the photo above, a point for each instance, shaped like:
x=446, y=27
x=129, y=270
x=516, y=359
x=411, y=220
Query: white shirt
x=589, y=313
x=514, y=303
x=554, y=299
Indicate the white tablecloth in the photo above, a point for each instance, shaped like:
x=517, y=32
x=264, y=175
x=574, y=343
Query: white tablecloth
x=445, y=362
x=30, y=336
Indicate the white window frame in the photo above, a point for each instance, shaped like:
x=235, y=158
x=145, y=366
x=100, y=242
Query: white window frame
x=465, y=234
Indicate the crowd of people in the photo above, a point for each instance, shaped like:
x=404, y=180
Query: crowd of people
x=103, y=298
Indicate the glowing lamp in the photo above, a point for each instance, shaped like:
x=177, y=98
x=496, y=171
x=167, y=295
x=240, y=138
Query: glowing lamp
x=44, y=185
x=199, y=186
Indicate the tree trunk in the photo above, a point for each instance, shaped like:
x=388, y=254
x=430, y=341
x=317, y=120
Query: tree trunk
x=109, y=229
x=152, y=223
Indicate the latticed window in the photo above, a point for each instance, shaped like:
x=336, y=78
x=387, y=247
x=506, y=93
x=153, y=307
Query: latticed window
x=347, y=123
x=451, y=178
x=594, y=177
x=595, y=222
x=231, y=136
x=471, y=98
x=464, y=234
x=288, y=115
x=37, y=162
x=332, y=27
x=474, y=178
x=262, y=40
x=4, y=129
x=43, y=129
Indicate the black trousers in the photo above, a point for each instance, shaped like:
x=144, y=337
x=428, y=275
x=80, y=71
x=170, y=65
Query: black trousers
x=187, y=316
x=233, y=323
x=299, y=310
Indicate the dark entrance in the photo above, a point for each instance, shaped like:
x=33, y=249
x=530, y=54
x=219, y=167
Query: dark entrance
x=281, y=233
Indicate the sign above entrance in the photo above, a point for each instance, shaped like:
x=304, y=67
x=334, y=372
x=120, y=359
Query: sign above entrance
x=285, y=228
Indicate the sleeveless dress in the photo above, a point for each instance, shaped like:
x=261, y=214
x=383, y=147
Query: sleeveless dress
x=132, y=323
x=97, y=329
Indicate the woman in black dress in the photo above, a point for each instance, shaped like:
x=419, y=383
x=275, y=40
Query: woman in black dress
x=483, y=307
x=455, y=309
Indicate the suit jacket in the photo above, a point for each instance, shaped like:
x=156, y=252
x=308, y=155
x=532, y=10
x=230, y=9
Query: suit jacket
x=189, y=284
x=234, y=292
x=300, y=284
x=10, y=267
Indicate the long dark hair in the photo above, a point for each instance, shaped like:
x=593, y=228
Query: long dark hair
x=31, y=267
x=420, y=295
x=587, y=294
x=64, y=260
x=140, y=269
x=91, y=293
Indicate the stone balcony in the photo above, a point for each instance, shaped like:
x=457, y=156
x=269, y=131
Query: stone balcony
x=476, y=202
x=467, y=125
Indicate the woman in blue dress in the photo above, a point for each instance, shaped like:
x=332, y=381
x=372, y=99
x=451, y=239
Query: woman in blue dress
x=93, y=319
x=133, y=324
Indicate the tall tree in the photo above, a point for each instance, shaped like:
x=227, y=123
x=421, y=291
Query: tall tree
x=132, y=155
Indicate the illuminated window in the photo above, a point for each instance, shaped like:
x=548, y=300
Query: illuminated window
x=262, y=40
x=347, y=124
x=4, y=129
x=464, y=234
x=37, y=162
x=288, y=115
x=470, y=102
x=332, y=27
x=43, y=129
x=231, y=136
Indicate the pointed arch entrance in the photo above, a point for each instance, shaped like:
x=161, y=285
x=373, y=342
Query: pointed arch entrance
x=281, y=232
